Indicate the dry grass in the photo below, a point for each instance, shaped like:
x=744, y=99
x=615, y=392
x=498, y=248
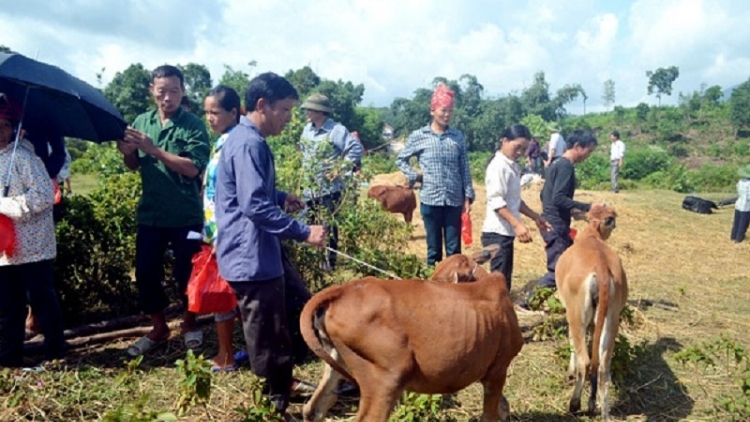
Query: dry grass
x=689, y=281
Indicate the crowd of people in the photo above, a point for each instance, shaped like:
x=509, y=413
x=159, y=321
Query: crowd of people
x=224, y=196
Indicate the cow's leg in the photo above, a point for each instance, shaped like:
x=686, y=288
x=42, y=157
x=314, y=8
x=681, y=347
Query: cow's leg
x=495, y=406
x=408, y=216
x=377, y=400
x=606, y=350
x=578, y=320
x=324, y=397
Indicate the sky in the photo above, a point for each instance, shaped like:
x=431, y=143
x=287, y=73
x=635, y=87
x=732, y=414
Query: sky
x=394, y=47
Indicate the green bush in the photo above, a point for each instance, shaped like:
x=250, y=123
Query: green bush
x=639, y=163
x=713, y=178
x=674, y=177
x=96, y=251
x=593, y=172
x=478, y=161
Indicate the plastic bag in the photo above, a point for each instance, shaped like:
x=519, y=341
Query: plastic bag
x=7, y=236
x=207, y=292
x=466, y=228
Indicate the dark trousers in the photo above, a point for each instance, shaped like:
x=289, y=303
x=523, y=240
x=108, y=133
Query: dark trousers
x=35, y=282
x=441, y=222
x=270, y=312
x=739, y=225
x=150, y=246
x=330, y=203
x=556, y=241
x=503, y=261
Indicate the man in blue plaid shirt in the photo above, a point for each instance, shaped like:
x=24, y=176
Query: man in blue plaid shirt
x=447, y=190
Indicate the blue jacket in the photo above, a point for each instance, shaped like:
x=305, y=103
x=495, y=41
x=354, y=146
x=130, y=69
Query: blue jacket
x=249, y=219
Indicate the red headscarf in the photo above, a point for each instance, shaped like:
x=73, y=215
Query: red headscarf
x=442, y=97
x=9, y=109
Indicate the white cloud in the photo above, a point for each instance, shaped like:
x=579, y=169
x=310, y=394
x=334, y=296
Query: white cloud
x=394, y=47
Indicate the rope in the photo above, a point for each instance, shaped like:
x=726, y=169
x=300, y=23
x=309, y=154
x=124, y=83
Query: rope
x=363, y=263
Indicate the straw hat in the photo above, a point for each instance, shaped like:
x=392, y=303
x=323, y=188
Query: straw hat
x=317, y=102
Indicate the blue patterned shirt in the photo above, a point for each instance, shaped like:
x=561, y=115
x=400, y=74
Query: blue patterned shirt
x=446, y=179
x=343, y=146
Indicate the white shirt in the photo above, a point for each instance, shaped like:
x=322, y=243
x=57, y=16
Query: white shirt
x=556, y=142
x=743, y=190
x=503, y=183
x=617, y=150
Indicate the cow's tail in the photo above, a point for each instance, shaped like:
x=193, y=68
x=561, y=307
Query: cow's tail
x=311, y=331
x=603, y=284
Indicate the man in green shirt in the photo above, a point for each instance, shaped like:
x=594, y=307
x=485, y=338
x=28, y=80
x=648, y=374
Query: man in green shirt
x=170, y=147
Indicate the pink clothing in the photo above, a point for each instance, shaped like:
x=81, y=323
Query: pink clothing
x=28, y=204
x=442, y=97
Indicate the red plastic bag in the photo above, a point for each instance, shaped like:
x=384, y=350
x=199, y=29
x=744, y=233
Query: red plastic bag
x=466, y=228
x=207, y=292
x=58, y=193
x=7, y=236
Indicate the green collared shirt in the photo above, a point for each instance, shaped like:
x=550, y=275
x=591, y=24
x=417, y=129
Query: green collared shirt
x=170, y=199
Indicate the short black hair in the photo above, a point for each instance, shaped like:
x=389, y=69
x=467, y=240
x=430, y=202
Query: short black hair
x=227, y=98
x=270, y=86
x=584, y=138
x=167, y=71
x=616, y=134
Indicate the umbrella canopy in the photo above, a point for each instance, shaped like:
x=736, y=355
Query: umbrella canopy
x=58, y=101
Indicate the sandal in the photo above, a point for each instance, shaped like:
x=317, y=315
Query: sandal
x=193, y=339
x=141, y=346
x=230, y=368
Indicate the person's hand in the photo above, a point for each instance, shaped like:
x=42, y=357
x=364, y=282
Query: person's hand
x=467, y=205
x=419, y=176
x=317, y=236
x=292, y=203
x=543, y=225
x=126, y=148
x=578, y=214
x=522, y=233
x=141, y=141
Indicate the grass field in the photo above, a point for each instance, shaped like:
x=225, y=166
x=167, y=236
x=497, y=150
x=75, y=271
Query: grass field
x=688, y=283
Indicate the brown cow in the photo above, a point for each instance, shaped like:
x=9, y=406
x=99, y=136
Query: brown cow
x=461, y=268
x=434, y=338
x=395, y=199
x=592, y=286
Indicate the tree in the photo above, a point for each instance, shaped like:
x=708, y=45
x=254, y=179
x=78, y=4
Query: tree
x=740, y=106
x=5, y=49
x=536, y=99
x=609, y=93
x=567, y=94
x=197, y=84
x=129, y=91
x=237, y=80
x=305, y=80
x=660, y=81
x=712, y=95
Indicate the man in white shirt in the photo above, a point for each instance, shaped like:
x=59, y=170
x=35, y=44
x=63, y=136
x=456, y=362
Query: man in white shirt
x=556, y=145
x=616, y=153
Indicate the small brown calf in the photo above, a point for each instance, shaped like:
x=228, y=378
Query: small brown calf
x=389, y=336
x=592, y=286
x=395, y=199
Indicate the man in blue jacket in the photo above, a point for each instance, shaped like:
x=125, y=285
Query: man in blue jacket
x=251, y=224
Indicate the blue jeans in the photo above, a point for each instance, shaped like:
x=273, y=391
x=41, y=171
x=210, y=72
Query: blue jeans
x=556, y=242
x=35, y=282
x=441, y=222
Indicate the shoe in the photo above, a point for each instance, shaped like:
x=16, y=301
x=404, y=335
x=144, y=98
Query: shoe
x=141, y=346
x=241, y=357
x=193, y=339
x=230, y=368
x=301, y=388
x=347, y=388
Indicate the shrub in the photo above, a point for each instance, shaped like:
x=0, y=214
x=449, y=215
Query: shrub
x=714, y=178
x=593, y=172
x=639, y=163
x=96, y=252
x=674, y=177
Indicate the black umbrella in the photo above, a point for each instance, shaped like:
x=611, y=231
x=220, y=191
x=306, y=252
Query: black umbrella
x=58, y=101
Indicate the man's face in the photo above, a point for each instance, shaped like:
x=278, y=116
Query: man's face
x=612, y=137
x=583, y=153
x=277, y=115
x=314, y=116
x=167, y=93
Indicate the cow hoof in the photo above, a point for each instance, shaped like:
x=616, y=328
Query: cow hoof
x=574, y=406
x=592, y=407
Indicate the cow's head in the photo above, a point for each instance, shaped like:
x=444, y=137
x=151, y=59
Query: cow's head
x=461, y=268
x=377, y=192
x=602, y=219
